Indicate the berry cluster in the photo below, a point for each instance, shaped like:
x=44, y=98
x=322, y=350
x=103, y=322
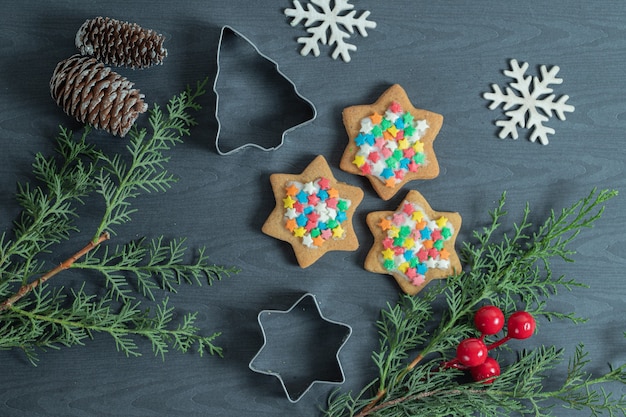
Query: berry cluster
x=473, y=354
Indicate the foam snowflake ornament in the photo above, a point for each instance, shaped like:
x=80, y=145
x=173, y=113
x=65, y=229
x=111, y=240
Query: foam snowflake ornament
x=329, y=25
x=534, y=104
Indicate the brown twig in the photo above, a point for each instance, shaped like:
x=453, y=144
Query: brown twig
x=372, y=404
x=382, y=391
x=26, y=288
x=369, y=410
x=417, y=360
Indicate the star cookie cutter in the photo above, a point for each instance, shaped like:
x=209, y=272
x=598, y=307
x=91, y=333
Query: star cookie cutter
x=300, y=347
x=262, y=125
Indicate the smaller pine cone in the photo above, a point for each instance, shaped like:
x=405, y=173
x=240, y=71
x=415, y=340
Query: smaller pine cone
x=94, y=94
x=120, y=43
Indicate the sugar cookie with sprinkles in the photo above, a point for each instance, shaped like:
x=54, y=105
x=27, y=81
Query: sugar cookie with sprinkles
x=391, y=142
x=313, y=212
x=414, y=244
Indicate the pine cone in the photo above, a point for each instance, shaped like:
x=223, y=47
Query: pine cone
x=120, y=43
x=94, y=94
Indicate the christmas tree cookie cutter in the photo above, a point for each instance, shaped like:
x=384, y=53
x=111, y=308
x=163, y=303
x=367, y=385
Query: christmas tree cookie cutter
x=301, y=347
x=236, y=87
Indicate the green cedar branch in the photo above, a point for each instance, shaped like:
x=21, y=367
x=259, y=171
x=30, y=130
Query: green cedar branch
x=49, y=209
x=512, y=271
x=26, y=288
x=118, y=182
x=34, y=314
x=157, y=264
x=90, y=315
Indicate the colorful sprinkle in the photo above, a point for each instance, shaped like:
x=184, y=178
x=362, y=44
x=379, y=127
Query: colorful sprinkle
x=389, y=145
x=314, y=212
x=413, y=243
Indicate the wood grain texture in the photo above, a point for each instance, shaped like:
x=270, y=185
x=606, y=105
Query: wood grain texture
x=445, y=54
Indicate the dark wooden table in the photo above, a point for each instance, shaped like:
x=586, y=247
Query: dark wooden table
x=446, y=55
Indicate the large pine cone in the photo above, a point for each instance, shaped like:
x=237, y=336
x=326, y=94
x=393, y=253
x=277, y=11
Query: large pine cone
x=94, y=94
x=120, y=43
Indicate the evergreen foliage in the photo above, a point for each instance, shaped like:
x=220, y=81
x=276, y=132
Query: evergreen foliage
x=34, y=313
x=512, y=272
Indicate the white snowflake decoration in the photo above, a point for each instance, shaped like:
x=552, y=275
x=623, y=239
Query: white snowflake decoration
x=331, y=19
x=526, y=113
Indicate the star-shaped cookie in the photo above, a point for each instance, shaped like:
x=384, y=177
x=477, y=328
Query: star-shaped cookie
x=391, y=142
x=313, y=212
x=414, y=244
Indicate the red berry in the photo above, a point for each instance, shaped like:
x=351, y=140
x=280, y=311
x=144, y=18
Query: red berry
x=486, y=371
x=521, y=325
x=489, y=320
x=471, y=352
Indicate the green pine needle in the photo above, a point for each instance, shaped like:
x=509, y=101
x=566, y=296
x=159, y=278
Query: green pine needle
x=154, y=265
x=36, y=315
x=513, y=272
x=119, y=182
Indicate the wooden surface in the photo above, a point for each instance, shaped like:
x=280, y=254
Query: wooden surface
x=445, y=54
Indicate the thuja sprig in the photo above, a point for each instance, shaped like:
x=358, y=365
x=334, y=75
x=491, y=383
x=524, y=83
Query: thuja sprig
x=49, y=209
x=119, y=182
x=512, y=271
x=34, y=313
x=42, y=322
x=153, y=265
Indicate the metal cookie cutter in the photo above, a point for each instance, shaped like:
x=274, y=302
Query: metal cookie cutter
x=301, y=347
x=249, y=115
